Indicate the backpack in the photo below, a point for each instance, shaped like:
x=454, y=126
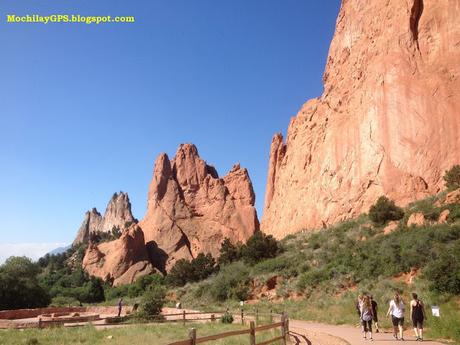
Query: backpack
x=366, y=315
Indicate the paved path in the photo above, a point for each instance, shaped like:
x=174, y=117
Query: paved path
x=310, y=333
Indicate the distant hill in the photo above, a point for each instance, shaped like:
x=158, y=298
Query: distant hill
x=59, y=250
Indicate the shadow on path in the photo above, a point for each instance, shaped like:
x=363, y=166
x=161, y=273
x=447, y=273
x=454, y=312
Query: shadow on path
x=299, y=338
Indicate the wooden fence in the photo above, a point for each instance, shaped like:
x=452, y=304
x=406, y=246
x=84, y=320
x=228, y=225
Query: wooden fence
x=241, y=315
x=283, y=325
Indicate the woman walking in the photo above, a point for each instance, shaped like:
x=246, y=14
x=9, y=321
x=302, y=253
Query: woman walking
x=367, y=316
x=417, y=312
x=396, y=310
x=374, y=311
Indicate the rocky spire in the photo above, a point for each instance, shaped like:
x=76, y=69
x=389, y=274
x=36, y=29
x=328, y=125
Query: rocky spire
x=191, y=210
x=117, y=215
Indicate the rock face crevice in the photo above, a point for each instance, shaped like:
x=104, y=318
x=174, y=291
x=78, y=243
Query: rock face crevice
x=191, y=210
x=415, y=15
x=387, y=122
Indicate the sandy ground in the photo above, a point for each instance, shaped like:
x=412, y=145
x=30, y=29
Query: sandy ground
x=303, y=332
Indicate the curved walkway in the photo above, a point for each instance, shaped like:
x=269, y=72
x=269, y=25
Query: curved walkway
x=311, y=333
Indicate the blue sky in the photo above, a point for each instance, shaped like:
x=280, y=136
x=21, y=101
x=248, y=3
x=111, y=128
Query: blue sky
x=85, y=109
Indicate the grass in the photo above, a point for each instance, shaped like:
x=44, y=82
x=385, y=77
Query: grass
x=155, y=334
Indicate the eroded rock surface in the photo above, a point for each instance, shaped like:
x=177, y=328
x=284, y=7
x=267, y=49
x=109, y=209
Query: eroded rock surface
x=191, y=210
x=121, y=261
x=387, y=122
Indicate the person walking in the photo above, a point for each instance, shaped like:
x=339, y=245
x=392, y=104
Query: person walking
x=374, y=312
x=367, y=316
x=396, y=310
x=417, y=312
x=120, y=305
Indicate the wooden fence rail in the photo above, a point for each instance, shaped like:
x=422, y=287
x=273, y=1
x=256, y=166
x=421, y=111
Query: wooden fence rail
x=283, y=325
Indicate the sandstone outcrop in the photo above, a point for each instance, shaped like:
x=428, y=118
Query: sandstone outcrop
x=391, y=227
x=121, y=261
x=386, y=124
x=416, y=219
x=452, y=197
x=443, y=217
x=117, y=215
x=191, y=210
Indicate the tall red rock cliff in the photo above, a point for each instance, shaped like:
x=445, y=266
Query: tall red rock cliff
x=191, y=210
x=388, y=121
x=117, y=214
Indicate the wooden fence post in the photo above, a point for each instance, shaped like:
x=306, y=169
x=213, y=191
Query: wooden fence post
x=252, y=334
x=283, y=328
x=242, y=316
x=271, y=316
x=257, y=316
x=213, y=318
x=192, y=336
x=287, y=327
x=183, y=317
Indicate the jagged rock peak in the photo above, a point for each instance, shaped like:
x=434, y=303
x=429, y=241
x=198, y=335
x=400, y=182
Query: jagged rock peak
x=191, y=210
x=117, y=214
x=386, y=124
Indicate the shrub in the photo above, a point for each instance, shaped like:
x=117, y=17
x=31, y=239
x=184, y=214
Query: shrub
x=452, y=177
x=231, y=282
x=385, y=210
x=192, y=271
x=444, y=271
x=116, y=292
x=61, y=301
x=227, y=318
x=258, y=247
x=152, y=301
x=312, y=278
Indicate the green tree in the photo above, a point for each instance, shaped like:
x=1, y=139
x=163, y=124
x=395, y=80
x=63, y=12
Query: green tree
x=198, y=269
x=19, y=287
x=179, y=274
x=259, y=247
x=202, y=267
x=452, y=178
x=229, y=252
x=384, y=210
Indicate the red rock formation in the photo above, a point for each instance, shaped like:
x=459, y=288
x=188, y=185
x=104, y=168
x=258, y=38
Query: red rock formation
x=121, y=261
x=191, y=210
x=117, y=215
x=387, y=123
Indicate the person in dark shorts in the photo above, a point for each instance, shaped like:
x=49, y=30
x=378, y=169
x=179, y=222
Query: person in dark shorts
x=396, y=310
x=367, y=317
x=374, y=312
x=120, y=305
x=417, y=312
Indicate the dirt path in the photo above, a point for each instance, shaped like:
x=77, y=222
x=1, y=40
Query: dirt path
x=310, y=333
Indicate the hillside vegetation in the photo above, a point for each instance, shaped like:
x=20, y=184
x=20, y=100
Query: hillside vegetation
x=318, y=275
x=314, y=275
